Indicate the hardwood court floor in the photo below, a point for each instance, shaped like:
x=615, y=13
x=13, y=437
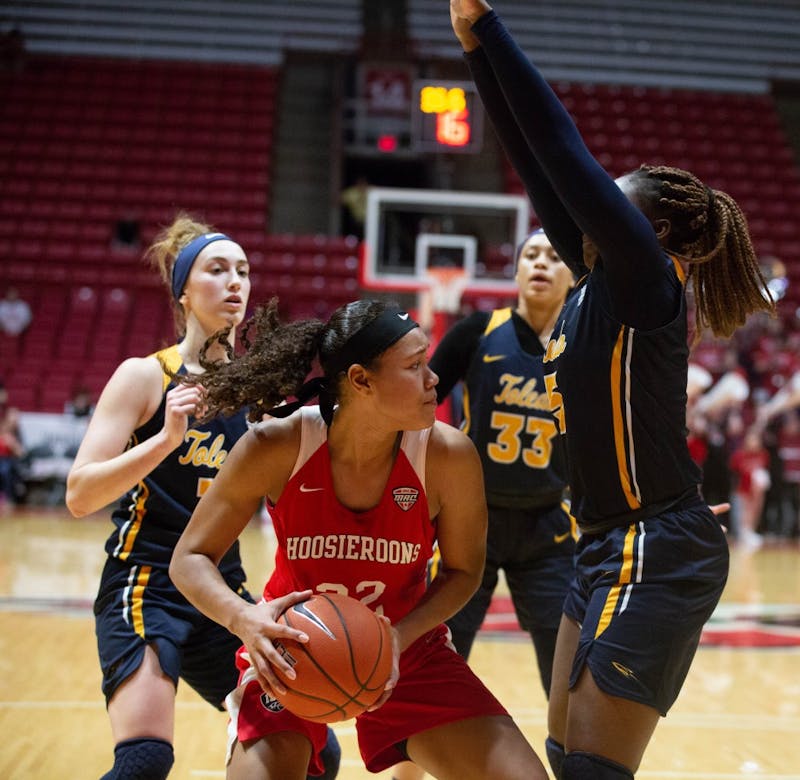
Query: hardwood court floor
x=738, y=715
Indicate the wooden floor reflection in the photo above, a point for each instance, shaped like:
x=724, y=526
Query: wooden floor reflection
x=738, y=715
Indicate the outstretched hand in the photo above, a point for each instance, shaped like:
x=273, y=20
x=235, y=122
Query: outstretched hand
x=463, y=14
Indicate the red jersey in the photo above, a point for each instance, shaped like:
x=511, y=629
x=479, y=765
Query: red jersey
x=744, y=463
x=379, y=556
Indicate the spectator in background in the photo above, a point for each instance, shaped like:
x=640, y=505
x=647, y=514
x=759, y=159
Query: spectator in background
x=11, y=450
x=354, y=200
x=749, y=466
x=782, y=408
x=788, y=397
x=15, y=313
x=80, y=404
x=788, y=526
x=126, y=233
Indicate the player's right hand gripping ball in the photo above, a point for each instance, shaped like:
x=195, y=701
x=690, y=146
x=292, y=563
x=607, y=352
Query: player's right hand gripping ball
x=343, y=668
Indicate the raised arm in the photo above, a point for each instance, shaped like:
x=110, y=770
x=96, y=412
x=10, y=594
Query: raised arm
x=788, y=397
x=631, y=255
x=561, y=230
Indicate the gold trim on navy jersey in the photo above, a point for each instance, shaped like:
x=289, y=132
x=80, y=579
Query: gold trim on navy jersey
x=133, y=598
x=171, y=358
x=621, y=412
x=497, y=318
x=130, y=529
x=632, y=555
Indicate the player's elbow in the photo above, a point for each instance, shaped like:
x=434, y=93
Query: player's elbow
x=77, y=500
x=183, y=568
x=176, y=567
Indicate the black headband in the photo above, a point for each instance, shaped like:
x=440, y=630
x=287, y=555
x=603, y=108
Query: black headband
x=372, y=339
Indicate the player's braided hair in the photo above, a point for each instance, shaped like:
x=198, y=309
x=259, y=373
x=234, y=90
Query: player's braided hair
x=277, y=358
x=709, y=232
x=164, y=250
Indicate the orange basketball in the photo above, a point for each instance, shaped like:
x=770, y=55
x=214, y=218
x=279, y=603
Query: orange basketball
x=344, y=666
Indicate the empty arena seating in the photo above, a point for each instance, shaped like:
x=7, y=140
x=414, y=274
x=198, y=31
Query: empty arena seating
x=87, y=141
x=733, y=142
x=712, y=45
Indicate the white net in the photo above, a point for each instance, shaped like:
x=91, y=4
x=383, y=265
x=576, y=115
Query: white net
x=446, y=286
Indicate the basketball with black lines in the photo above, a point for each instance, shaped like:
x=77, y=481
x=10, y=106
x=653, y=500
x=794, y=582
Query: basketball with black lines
x=343, y=668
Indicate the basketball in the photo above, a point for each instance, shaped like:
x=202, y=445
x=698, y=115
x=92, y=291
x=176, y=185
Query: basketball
x=343, y=668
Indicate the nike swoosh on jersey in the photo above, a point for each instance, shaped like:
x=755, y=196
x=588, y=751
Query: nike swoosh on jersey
x=492, y=358
x=557, y=538
x=403, y=316
x=304, y=489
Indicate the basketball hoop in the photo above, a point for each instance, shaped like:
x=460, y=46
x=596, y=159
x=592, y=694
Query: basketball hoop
x=441, y=299
x=446, y=285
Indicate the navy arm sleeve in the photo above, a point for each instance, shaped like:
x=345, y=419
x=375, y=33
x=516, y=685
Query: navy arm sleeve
x=454, y=352
x=642, y=287
x=561, y=230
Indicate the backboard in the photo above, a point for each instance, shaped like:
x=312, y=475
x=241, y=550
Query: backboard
x=408, y=231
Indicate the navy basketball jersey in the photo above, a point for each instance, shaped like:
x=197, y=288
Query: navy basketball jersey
x=508, y=417
x=152, y=515
x=621, y=395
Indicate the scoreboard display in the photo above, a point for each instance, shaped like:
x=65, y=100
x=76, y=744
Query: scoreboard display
x=394, y=112
x=446, y=117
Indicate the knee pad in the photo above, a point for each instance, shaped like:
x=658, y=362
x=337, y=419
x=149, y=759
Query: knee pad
x=578, y=765
x=331, y=755
x=141, y=759
x=555, y=755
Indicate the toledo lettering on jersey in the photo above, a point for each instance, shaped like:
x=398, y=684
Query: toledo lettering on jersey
x=198, y=455
x=525, y=396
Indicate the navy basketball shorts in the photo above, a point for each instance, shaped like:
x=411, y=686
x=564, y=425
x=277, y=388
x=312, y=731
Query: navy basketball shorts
x=138, y=605
x=641, y=596
x=535, y=549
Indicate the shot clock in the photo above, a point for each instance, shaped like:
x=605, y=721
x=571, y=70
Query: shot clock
x=446, y=117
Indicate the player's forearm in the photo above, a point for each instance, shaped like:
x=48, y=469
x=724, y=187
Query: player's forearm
x=198, y=578
x=94, y=485
x=555, y=219
x=447, y=594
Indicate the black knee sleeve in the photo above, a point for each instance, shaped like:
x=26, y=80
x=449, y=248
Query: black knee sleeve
x=141, y=759
x=578, y=765
x=555, y=755
x=331, y=756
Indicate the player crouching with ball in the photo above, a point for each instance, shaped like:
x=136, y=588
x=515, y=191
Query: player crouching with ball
x=372, y=466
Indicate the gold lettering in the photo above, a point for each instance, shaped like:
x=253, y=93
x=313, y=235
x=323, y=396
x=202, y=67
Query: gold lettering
x=197, y=455
x=526, y=397
x=554, y=348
